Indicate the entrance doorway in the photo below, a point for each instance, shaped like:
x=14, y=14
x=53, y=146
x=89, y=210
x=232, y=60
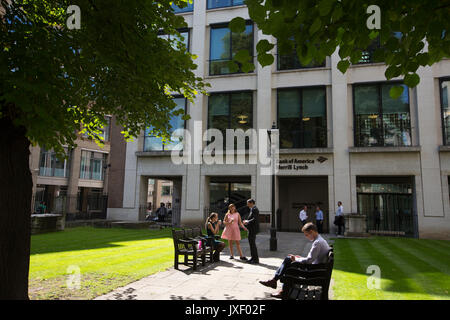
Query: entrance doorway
x=388, y=203
x=226, y=190
x=296, y=192
x=163, y=200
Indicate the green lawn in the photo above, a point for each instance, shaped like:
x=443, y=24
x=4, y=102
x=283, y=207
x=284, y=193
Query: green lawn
x=107, y=258
x=411, y=269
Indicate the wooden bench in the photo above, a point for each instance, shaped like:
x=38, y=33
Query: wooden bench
x=187, y=247
x=308, y=281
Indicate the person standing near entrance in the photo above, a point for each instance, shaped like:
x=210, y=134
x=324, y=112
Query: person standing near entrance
x=339, y=219
x=303, y=215
x=376, y=218
x=162, y=212
x=231, y=232
x=319, y=219
x=252, y=224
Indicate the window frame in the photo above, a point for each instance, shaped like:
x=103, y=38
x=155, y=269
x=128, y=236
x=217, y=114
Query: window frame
x=379, y=85
x=232, y=5
x=300, y=90
x=226, y=25
x=441, y=101
x=184, y=127
x=322, y=65
x=229, y=93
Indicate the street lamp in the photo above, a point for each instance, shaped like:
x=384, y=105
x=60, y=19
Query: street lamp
x=273, y=230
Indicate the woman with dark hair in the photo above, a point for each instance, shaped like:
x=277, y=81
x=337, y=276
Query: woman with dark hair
x=231, y=232
x=212, y=228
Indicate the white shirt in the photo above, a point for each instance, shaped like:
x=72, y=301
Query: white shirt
x=303, y=215
x=318, y=252
x=340, y=211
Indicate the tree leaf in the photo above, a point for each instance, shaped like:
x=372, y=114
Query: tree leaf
x=396, y=91
x=237, y=25
x=343, y=65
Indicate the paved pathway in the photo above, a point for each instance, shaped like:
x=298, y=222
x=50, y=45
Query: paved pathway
x=225, y=280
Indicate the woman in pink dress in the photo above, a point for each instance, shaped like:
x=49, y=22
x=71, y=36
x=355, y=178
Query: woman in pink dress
x=231, y=232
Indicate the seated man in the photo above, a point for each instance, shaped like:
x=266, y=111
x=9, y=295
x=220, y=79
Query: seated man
x=317, y=254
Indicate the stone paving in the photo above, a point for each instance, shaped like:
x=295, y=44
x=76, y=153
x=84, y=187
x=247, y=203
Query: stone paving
x=224, y=280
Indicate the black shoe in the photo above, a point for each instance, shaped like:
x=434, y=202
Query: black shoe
x=243, y=258
x=270, y=283
x=253, y=261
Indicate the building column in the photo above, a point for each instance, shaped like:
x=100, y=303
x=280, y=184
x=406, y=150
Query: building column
x=341, y=136
x=74, y=177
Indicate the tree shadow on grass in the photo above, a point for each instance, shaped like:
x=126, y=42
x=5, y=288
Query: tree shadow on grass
x=87, y=238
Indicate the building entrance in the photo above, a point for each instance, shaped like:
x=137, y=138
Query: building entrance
x=296, y=192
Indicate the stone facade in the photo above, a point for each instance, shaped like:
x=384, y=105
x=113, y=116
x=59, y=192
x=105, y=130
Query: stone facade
x=425, y=161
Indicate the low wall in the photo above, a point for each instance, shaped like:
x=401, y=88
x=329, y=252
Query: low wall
x=48, y=222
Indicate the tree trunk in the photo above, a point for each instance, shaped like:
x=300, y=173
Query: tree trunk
x=15, y=210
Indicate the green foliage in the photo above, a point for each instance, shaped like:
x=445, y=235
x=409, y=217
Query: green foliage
x=318, y=27
x=56, y=82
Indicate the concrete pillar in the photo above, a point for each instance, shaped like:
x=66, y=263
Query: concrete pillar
x=342, y=131
x=74, y=176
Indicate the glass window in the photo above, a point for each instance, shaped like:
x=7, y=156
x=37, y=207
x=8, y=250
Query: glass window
x=183, y=38
x=224, y=3
x=51, y=166
x=92, y=165
x=155, y=143
x=302, y=118
x=188, y=8
x=230, y=111
x=291, y=61
x=379, y=119
x=445, y=94
x=225, y=44
x=106, y=130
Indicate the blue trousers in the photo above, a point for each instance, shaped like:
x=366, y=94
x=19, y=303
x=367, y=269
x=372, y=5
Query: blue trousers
x=286, y=263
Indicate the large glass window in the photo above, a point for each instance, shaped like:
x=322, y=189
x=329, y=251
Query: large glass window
x=188, y=8
x=92, y=165
x=291, y=61
x=230, y=111
x=224, y=3
x=51, y=166
x=155, y=143
x=225, y=44
x=302, y=117
x=379, y=119
x=445, y=94
x=184, y=39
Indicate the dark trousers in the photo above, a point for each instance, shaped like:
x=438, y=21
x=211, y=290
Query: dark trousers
x=341, y=225
x=280, y=271
x=252, y=243
x=319, y=225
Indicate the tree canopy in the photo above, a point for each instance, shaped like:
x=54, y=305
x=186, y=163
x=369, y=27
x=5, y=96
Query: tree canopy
x=56, y=80
x=316, y=28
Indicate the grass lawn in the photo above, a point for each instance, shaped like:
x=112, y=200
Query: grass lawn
x=107, y=258
x=411, y=269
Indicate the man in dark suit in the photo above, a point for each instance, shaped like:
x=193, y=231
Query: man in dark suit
x=252, y=224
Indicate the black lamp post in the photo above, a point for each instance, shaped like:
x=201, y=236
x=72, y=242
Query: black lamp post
x=273, y=230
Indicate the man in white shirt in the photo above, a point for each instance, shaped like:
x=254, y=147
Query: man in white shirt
x=340, y=218
x=303, y=215
x=317, y=254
